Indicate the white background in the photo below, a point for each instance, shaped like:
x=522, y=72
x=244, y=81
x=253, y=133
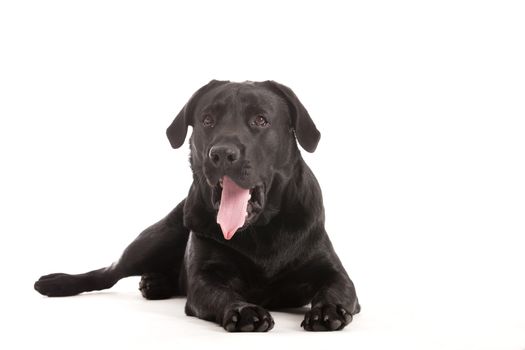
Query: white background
x=422, y=160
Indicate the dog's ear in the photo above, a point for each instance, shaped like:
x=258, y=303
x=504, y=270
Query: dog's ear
x=178, y=129
x=305, y=131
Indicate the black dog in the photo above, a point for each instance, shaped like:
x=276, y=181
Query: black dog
x=250, y=234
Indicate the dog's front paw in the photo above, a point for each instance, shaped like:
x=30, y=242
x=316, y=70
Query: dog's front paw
x=247, y=318
x=328, y=317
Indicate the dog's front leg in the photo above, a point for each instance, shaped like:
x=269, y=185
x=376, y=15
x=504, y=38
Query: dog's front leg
x=333, y=305
x=215, y=290
x=220, y=304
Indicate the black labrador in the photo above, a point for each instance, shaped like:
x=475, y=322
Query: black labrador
x=250, y=234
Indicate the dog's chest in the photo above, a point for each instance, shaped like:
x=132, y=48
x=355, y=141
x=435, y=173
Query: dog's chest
x=273, y=258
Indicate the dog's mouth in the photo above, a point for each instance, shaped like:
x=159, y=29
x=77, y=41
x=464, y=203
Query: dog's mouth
x=236, y=207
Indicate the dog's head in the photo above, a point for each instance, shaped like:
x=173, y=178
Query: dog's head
x=243, y=141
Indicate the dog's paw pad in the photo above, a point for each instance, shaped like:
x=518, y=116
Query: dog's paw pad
x=328, y=317
x=247, y=318
x=156, y=286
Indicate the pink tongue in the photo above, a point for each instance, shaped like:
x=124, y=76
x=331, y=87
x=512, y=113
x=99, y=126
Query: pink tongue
x=232, y=210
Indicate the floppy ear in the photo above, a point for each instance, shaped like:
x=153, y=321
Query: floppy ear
x=178, y=129
x=307, y=134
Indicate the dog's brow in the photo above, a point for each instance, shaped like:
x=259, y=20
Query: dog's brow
x=255, y=109
x=215, y=108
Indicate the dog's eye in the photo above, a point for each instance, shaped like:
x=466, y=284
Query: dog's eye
x=208, y=121
x=260, y=121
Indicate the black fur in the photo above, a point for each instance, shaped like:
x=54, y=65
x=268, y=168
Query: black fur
x=281, y=258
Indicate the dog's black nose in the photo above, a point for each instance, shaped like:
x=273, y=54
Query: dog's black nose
x=224, y=154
